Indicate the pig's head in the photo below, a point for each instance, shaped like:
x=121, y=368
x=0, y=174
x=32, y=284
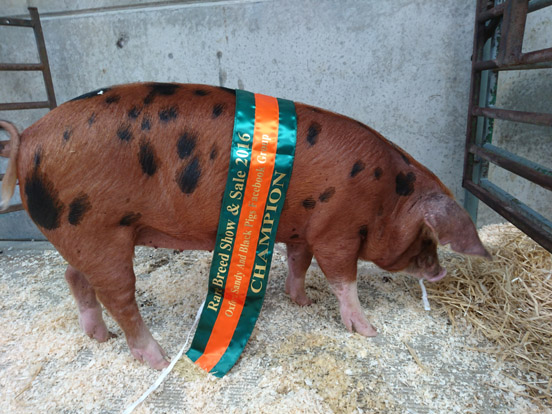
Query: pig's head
x=411, y=238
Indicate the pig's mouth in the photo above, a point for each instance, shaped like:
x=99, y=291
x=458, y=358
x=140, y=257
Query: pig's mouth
x=441, y=275
x=433, y=275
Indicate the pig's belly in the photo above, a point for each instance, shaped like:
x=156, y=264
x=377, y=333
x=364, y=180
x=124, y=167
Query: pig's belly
x=155, y=238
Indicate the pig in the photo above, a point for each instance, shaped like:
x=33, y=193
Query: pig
x=146, y=164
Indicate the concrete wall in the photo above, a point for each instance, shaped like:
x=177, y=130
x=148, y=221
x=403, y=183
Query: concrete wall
x=400, y=66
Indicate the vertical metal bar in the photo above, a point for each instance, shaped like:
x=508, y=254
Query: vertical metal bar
x=513, y=29
x=470, y=201
x=39, y=36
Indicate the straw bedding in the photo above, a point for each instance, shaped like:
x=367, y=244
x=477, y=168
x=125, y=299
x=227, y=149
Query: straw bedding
x=508, y=300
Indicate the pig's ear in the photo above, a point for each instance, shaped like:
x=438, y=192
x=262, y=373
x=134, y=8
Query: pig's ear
x=450, y=223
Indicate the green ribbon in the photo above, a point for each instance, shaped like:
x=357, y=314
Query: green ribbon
x=244, y=122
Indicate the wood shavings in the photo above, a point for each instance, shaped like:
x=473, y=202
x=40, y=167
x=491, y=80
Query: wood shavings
x=33, y=377
x=415, y=356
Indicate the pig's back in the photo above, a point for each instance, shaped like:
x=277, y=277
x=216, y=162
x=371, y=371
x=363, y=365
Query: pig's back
x=154, y=158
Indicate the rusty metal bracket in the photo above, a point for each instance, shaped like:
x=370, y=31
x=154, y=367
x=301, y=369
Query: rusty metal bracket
x=497, y=46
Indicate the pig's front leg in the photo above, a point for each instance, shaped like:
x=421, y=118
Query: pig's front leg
x=339, y=264
x=352, y=314
x=299, y=259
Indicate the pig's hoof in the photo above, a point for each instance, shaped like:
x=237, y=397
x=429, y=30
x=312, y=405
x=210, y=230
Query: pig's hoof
x=93, y=325
x=359, y=324
x=152, y=354
x=297, y=293
x=365, y=329
x=302, y=300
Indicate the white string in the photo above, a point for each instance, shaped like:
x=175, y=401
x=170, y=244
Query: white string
x=424, y=296
x=167, y=370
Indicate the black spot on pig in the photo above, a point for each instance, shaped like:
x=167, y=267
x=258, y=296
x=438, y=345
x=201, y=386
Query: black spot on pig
x=327, y=194
x=405, y=158
x=78, y=207
x=124, y=133
x=92, y=119
x=228, y=90
x=129, y=219
x=380, y=211
x=214, y=153
x=378, y=172
x=363, y=231
x=188, y=177
x=134, y=112
x=67, y=134
x=405, y=184
x=44, y=205
x=201, y=92
x=309, y=203
x=148, y=159
x=357, y=167
x=160, y=89
x=186, y=144
x=218, y=109
x=146, y=123
x=168, y=114
x=37, y=157
x=294, y=236
x=112, y=99
x=97, y=92
x=164, y=89
x=312, y=134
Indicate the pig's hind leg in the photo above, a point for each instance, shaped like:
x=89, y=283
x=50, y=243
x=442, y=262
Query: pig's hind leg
x=299, y=259
x=90, y=310
x=110, y=274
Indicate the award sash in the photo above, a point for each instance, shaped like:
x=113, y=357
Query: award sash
x=261, y=161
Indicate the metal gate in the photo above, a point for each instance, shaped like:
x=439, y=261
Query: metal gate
x=498, y=39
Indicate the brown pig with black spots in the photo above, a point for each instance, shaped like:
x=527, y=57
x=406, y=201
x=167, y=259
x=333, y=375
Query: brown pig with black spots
x=146, y=164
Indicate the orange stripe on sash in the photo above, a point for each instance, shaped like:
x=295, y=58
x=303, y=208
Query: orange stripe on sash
x=266, y=125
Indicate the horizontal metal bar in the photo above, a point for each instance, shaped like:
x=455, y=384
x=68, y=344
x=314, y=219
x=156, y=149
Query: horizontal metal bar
x=8, y=21
x=11, y=209
x=520, y=215
x=493, y=65
x=21, y=66
x=23, y=105
x=536, y=56
x=534, y=5
x=515, y=116
x=538, y=59
x=525, y=168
